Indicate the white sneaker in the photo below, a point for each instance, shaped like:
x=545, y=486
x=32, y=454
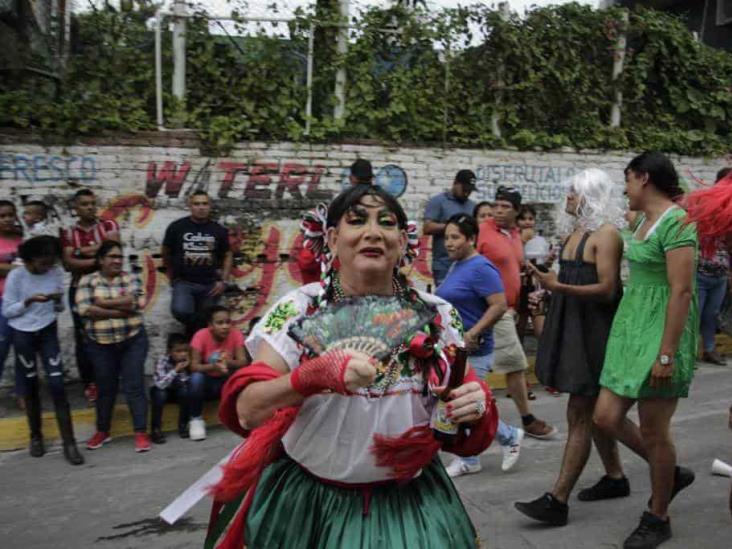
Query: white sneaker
x=458, y=467
x=512, y=451
x=197, y=429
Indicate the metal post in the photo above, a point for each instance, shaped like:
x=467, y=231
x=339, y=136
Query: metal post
x=505, y=13
x=339, y=109
x=179, y=50
x=618, y=61
x=158, y=71
x=447, y=95
x=309, y=81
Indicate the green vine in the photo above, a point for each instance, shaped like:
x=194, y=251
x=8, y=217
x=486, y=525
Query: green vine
x=543, y=79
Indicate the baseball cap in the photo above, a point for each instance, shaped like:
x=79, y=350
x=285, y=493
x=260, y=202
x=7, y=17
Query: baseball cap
x=361, y=169
x=467, y=178
x=510, y=194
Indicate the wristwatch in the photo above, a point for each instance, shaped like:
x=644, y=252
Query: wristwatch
x=665, y=360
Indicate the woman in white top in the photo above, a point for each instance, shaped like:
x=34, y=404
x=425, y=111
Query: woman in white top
x=352, y=428
x=32, y=300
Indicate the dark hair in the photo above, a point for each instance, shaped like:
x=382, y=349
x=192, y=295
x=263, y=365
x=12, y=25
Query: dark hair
x=199, y=192
x=721, y=174
x=83, y=192
x=466, y=224
x=527, y=208
x=176, y=339
x=480, y=205
x=7, y=204
x=40, y=246
x=38, y=204
x=660, y=170
x=348, y=199
x=217, y=309
x=105, y=248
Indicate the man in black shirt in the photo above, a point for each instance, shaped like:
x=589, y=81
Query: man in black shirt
x=198, y=261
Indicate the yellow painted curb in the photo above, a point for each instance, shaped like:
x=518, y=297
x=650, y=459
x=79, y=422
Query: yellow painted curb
x=14, y=433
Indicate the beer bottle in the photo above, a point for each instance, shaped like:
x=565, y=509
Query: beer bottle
x=443, y=427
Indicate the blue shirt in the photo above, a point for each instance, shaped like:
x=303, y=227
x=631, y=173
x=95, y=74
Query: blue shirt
x=469, y=282
x=439, y=209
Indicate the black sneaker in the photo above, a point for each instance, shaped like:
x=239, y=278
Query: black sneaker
x=651, y=532
x=157, y=436
x=606, y=488
x=683, y=477
x=546, y=509
x=183, y=430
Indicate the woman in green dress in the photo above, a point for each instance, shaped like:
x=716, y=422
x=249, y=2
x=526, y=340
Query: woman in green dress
x=652, y=346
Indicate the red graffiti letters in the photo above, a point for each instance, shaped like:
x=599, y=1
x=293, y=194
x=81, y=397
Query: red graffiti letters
x=260, y=175
x=230, y=171
x=169, y=175
x=264, y=180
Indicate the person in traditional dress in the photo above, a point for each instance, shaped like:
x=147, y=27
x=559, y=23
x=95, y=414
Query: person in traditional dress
x=340, y=453
x=585, y=296
x=651, y=350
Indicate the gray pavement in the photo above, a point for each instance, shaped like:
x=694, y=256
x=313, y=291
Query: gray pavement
x=113, y=500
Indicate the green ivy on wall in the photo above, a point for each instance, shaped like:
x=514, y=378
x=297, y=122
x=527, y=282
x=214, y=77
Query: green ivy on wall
x=442, y=77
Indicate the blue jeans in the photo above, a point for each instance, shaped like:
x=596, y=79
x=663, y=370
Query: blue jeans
x=506, y=434
x=125, y=361
x=27, y=346
x=179, y=392
x=204, y=387
x=190, y=303
x=711, y=295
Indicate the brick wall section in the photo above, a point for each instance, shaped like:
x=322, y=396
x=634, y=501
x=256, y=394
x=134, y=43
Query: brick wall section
x=260, y=190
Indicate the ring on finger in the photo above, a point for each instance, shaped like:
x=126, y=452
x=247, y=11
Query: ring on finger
x=480, y=407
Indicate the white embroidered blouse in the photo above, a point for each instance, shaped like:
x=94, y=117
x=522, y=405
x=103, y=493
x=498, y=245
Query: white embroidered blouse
x=332, y=434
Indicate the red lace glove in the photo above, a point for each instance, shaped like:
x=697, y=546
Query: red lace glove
x=322, y=374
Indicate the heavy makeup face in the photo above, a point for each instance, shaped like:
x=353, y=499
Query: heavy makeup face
x=368, y=239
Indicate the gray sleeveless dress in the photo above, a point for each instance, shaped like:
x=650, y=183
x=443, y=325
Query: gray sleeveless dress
x=572, y=346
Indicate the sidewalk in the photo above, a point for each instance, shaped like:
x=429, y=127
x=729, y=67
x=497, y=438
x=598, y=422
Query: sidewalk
x=14, y=433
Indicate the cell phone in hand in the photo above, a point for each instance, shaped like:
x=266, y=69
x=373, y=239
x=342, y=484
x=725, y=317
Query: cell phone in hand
x=55, y=296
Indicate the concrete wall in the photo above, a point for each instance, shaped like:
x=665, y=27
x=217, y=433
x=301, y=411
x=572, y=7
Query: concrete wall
x=260, y=190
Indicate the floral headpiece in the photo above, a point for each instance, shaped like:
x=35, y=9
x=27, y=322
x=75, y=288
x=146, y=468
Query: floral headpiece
x=314, y=226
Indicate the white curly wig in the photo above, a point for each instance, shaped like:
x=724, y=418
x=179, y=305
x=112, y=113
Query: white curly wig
x=600, y=199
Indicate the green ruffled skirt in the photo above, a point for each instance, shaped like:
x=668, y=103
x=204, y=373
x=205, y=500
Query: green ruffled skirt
x=294, y=510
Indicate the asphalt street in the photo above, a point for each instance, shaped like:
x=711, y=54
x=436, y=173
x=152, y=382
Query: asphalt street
x=113, y=500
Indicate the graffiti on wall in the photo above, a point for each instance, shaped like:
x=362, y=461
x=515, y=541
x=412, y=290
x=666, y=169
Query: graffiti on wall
x=237, y=179
x=51, y=168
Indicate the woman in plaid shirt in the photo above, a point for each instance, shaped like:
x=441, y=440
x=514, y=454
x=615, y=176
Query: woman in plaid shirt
x=111, y=303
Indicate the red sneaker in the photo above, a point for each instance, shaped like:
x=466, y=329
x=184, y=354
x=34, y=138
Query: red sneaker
x=99, y=439
x=91, y=393
x=142, y=442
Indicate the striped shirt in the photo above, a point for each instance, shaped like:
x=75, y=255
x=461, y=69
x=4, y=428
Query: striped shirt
x=80, y=237
x=109, y=330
